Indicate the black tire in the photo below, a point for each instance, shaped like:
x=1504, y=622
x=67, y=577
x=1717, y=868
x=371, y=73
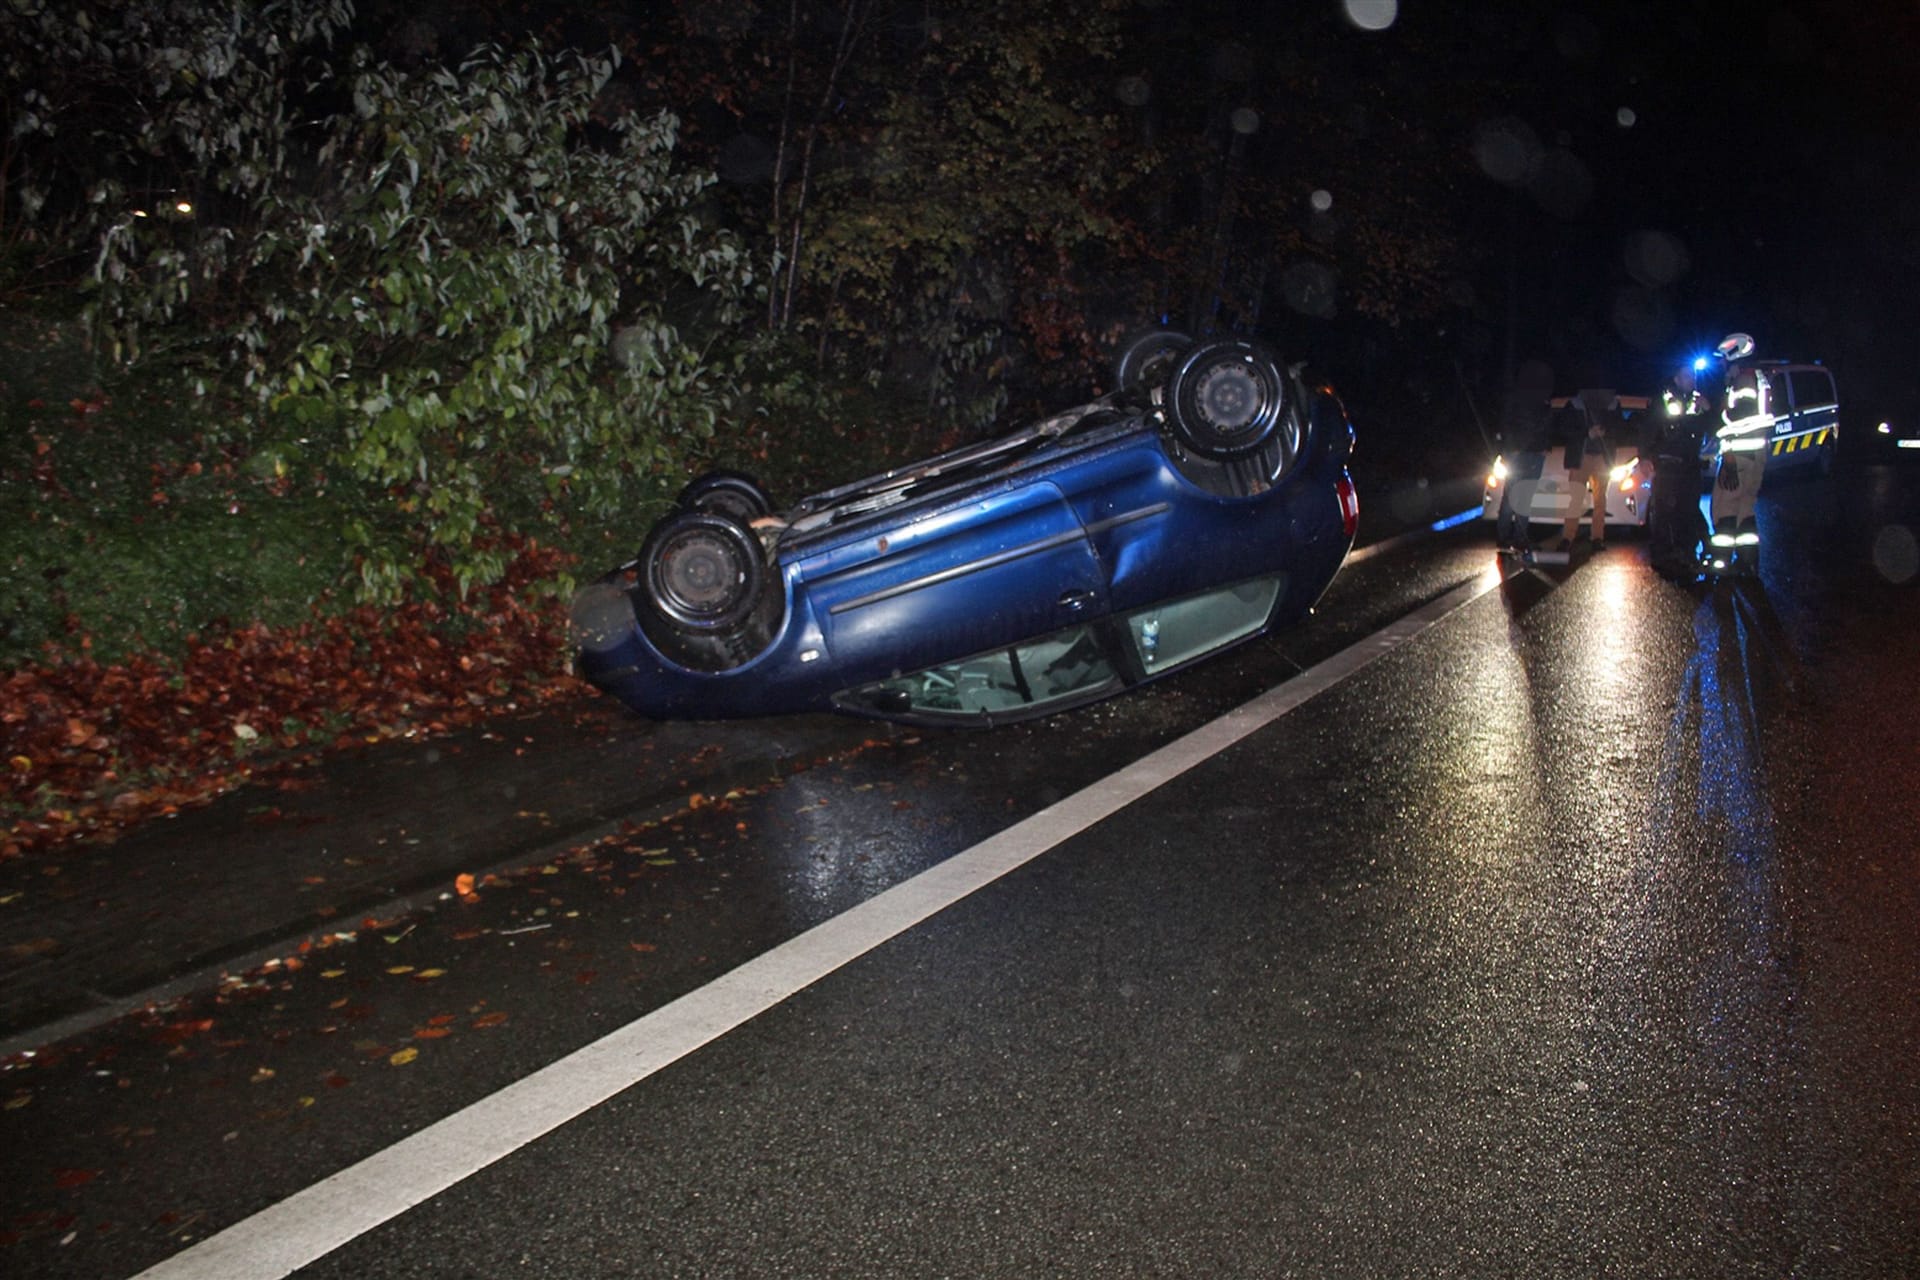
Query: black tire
x=1226, y=397
x=732, y=493
x=702, y=572
x=1147, y=358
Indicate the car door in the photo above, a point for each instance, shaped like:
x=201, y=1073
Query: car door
x=1806, y=416
x=953, y=578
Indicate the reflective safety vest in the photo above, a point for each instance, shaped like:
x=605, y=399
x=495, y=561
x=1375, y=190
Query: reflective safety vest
x=1747, y=421
x=1682, y=406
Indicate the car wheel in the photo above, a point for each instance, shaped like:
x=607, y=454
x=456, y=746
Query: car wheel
x=1225, y=397
x=703, y=571
x=732, y=493
x=1146, y=358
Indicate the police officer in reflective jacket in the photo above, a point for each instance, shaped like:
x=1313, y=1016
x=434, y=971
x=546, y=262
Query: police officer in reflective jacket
x=1745, y=431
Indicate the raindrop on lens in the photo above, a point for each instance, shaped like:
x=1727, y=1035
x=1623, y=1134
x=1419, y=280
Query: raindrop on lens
x=1506, y=150
x=1372, y=15
x=1896, y=554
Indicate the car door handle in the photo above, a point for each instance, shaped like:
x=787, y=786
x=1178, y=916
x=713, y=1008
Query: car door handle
x=1076, y=599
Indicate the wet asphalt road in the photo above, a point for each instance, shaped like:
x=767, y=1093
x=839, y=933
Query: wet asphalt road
x=1573, y=937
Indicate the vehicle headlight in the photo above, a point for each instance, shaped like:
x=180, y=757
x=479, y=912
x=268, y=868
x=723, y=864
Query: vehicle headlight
x=1499, y=472
x=1623, y=474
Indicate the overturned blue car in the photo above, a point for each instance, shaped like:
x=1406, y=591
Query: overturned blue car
x=1201, y=503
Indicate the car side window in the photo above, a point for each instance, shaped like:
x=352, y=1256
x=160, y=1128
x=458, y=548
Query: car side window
x=1812, y=389
x=1775, y=390
x=1170, y=634
x=1069, y=666
x=1024, y=679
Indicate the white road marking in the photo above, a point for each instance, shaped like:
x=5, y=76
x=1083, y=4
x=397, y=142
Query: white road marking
x=309, y=1224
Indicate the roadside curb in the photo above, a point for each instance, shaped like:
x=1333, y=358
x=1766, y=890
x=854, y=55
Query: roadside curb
x=96, y=951
x=421, y=893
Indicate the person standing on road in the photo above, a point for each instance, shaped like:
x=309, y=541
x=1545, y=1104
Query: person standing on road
x=1588, y=458
x=1746, y=429
x=1526, y=438
x=1674, y=522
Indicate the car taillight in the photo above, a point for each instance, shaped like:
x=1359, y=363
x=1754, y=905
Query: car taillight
x=1349, y=504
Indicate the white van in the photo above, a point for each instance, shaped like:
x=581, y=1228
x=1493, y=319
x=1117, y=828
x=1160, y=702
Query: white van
x=1630, y=485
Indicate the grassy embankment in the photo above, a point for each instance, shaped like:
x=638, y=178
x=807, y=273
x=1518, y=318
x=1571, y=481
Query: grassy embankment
x=177, y=615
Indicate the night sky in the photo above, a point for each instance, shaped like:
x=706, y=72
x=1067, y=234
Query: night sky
x=1672, y=172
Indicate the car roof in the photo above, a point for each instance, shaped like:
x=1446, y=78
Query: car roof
x=1602, y=396
x=1600, y=399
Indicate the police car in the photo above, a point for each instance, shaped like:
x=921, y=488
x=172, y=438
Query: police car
x=1806, y=417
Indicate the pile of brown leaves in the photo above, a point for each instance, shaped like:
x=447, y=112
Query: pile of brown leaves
x=89, y=749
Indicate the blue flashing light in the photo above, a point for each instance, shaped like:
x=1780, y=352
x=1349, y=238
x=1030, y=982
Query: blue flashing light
x=1699, y=363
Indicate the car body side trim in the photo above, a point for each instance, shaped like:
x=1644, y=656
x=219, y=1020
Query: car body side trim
x=1005, y=557
x=961, y=570
x=1128, y=517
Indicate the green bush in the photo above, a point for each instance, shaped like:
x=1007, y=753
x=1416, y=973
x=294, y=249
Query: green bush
x=460, y=288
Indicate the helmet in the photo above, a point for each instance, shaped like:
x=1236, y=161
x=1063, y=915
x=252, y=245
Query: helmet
x=1735, y=346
